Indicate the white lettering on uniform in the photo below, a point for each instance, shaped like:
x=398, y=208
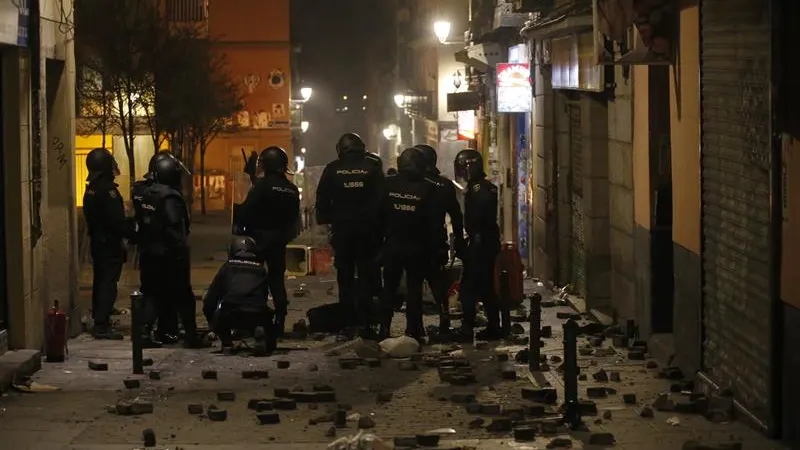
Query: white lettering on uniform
x=148, y=207
x=354, y=184
x=404, y=196
x=282, y=190
x=404, y=207
x=351, y=172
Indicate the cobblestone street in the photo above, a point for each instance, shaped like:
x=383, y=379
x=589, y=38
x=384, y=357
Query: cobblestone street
x=402, y=398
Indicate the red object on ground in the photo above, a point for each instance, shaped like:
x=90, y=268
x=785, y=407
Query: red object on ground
x=321, y=261
x=509, y=260
x=55, y=339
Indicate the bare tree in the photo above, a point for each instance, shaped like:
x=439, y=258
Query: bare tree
x=116, y=41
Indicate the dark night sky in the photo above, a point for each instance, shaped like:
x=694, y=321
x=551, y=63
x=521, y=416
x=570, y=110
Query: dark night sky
x=334, y=35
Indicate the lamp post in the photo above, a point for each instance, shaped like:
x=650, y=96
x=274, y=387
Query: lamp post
x=305, y=93
x=442, y=30
x=400, y=100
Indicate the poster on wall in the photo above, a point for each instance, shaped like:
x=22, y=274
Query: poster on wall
x=514, y=94
x=656, y=25
x=523, y=186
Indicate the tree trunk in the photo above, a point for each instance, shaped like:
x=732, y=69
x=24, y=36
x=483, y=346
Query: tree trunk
x=203, y=177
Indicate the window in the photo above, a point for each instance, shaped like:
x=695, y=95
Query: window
x=187, y=10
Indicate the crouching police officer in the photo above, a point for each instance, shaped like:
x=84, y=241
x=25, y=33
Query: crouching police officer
x=349, y=198
x=410, y=238
x=271, y=216
x=164, y=249
x=147, y=277
x=107, y=225
x=237, y=297
x=446, y=202
x=482, y=247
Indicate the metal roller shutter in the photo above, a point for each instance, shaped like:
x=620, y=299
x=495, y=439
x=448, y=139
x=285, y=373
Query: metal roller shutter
x=578, y=252
x=735, y=83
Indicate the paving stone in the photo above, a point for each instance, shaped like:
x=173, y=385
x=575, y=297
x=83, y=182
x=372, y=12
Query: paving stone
x=195, y=409
x=428, y=440
x=499, y=425
x=226, y=396
x=651, y=364
x=154, y=375
x=282, y=364
x=405, y=442
x=501, y=357
x=560, y=442
x=600, y=376
x=139, y=407
x=547, y=396
x=606, y=414
x=647, y=412
x=208, y=374
x=524, y=434
x=149, y=438
x=619, y=340
x=462, y=398
x=635, y=355
x=473, y=408
x=147, y=362
x=604, y=439
x=98, y=366
x=671, y=373
x=307, y=397
x=547, y=332
x=313, y=368
x=385, y=397
x=587, y=408
x=548, y=427
x=629, y=399
x=614, y=376
x=596, y=392
x=268, y=418
x=331, y=433
x=340, y=418
x=475, y=423
x=664, y=403
x=534, y=410
x=255, y=374
x=281, y=392
x=373, y=362
x=132, y=383
x=285, y=404
x=508, y=371
x=216, y=414
x=491, y=409
x=348, y=363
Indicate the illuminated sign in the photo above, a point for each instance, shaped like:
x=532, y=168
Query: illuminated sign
x=466, y=125
x=514, y=93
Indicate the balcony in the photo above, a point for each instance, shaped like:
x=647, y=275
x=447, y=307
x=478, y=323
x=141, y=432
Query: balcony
x=186, y=11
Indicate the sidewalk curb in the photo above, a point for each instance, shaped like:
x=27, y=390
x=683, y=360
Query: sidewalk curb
x=18, y=363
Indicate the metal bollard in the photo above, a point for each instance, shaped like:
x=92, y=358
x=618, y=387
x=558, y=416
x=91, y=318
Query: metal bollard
x=572, y=415
x=137, y=307
x=535, y=341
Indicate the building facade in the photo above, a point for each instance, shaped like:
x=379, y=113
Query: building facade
x=39, y=245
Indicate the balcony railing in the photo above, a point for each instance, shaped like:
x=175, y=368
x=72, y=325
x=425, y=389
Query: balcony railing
x=187, y=11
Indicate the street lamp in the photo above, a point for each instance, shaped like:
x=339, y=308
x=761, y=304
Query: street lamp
x=306, y=93
x=303, y=150
x=442, y=30
x=391, y=132
x=304, y=126
x=399, y=100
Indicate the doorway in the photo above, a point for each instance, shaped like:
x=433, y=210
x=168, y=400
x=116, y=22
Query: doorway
x=661, y=250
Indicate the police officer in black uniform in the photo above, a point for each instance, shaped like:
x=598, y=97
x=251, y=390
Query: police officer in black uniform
x=271, y=216
x=108, y=227
x=163, y=239
x=411, y=237
x=482, y=247
x=237, y=297
x=146, y=275
x=446, y=204
x=349, y=198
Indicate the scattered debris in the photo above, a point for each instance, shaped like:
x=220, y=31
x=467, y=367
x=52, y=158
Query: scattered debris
x=268, y=418
x=217, y=414
x=603, y=439
x=560, y=442
x=131, y=383
x=524, y=434
x=195, y=409
x=282, y=364
x=98, y=366
x=673, y=421
x=226, y=396
x=647, y=412
x=149, y=438
x=209, y=374
x=154, y=375
x=255, y=374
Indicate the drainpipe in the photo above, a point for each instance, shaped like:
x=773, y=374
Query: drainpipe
x=778, y=110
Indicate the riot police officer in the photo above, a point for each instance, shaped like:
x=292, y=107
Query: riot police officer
x=349, y=198
x=146, y=275
x=163, y=240
x=410, y=238
x=107, y=226
x=271, y=216
x=446, y=201
x=482, y=247
x=236, y=298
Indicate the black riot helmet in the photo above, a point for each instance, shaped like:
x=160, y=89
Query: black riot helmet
x=242, y=246
x=468, y=165
x=411, y=161
x=391, y=171
x=274, y=159
x=100, y=162
x=154, y=160
x=168, y=170
x=429, y=153
x=350, y=143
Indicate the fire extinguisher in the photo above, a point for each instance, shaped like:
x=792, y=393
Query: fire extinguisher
x=55, y=339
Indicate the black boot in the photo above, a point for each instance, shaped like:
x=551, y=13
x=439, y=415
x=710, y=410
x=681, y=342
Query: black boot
x=102, y=331
x=280, y=325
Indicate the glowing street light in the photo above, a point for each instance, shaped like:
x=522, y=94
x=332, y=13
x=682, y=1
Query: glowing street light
x=303, y=150
x=304, y=126
x=391, y=132
x=400, y=100
x=442, y=30
x=306, y=93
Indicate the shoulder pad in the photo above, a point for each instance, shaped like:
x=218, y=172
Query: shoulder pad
x=372, y=157
x=432, y=181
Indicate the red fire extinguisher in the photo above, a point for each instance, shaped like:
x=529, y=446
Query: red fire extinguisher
x=55, y=339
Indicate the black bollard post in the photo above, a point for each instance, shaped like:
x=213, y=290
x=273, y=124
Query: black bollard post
x=535, y=341
x=572, y=415
x=137, y=306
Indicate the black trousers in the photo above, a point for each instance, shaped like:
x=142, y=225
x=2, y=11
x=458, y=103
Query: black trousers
x=414, y=266
x=106, y=271
x=355, y=254
x=437, y=279
x=168, y=281
x=274, y=258
x=477, y=283
x=234, y=317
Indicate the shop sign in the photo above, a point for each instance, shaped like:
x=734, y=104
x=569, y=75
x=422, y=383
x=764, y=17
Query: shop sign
x=432, y=131
x=514, y=93
x=14, y=22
